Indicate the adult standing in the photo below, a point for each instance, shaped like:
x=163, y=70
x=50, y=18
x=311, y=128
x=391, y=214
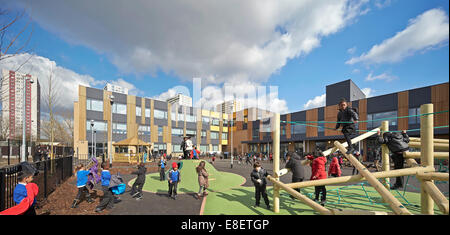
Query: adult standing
x=294, y=164
x=189, y=147
x=183, y=147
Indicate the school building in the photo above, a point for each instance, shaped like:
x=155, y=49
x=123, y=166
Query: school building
x=153, y=121
x=304, y=138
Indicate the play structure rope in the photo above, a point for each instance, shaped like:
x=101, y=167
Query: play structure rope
x=373, y=120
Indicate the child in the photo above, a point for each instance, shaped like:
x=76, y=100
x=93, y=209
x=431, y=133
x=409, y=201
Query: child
x=139, y=182
x=335, y=169
x=397, y=144
x=258, y=177
x=82, y=179
x=25, y=178
x=202, y=179
x=162, y=172
x=317, y=173
x=174, y=179
x=108, y=197
x=349, y=115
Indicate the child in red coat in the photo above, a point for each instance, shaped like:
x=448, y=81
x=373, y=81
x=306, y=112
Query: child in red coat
x=317, y=173
x=335, y=169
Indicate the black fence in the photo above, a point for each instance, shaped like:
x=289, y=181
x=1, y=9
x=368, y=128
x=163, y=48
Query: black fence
x=51, y=174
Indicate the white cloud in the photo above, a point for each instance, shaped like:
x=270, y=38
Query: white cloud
x=426, y=31
x=351, y=51
x=220, y=41
x=67, y=81
x=369, y=92
x=318, y=101
x=380, y=4
x=384, y=76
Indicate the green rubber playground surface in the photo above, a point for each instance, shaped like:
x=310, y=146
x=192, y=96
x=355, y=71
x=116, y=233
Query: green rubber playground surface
x=218, y=181
x=228, y=197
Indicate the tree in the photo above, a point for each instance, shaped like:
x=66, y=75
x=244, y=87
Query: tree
x=51, y=97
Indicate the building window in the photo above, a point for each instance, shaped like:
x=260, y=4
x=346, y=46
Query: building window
x=160, y=131
x=180, y=117
x=224, y=136
x=176, y=149
x=120, y=108
x=203, y=148
x=147, y=113
x=191, y=118
x=144, y=130
x=374, y=122
x=214, y=135
x=98, y=126
x=283, y=130
x=119, y=128
x=160, y=114
x=94, y=105
x=215, y=122
x=177, y=131
x=191, y=132
x=215, y=148
x=298, y=129
x=225, y=122
x=203, y=134
x=205, y=119
x=138, y=111
x=415, y=119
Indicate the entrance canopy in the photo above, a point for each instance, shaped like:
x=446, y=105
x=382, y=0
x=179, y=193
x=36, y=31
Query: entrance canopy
x=133, y=141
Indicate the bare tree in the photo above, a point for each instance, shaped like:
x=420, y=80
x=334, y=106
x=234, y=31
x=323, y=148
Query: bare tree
x=51, y=97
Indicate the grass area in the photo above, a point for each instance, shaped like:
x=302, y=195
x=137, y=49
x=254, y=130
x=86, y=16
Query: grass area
x=240, y=201
x=218, y=181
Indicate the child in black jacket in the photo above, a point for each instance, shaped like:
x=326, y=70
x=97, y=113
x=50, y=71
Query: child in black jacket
x=397, y=144
x=258, y=177
x=350, y=117
x=139, y=182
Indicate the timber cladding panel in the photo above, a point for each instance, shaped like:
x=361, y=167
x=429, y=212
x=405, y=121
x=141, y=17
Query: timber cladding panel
x=82, y=112
x=131, y=116
x=403, y=110
x=330, y=115
x=362, y=112
x=311, y=115
x=439, y=98
x=76, y=122
x=107, y=111
x=288, y=126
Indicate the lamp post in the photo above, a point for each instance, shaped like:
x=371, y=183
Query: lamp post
x=95, y=143
x=92, y=139
x=111, y=100
x=31, y=138
x=24, y=117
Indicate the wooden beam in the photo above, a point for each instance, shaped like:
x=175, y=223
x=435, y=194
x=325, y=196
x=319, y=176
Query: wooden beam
x=317, y=207
x=437, y=155
x=415, y=139
x=437, y=196
x=385, y=154
x=359, y=212
x=359, y=178
x=396, y=206
x=411, y=162
x=354, y=140
x=432, y=176
x=436, y=146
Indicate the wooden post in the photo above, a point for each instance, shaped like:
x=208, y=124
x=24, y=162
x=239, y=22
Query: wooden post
x=440, y=176
x=385, y=153
x=276, y=162
x=436, y=146
x=427, y=159
x=437, y=155
x=396, y=206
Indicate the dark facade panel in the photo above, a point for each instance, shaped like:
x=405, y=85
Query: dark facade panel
x=383, y=103
x=335, y=92
x=119, y=118
x=160, y=105
x=214, y=142
x=355, y=92
x=94, y=115
x=298, y=116
x=92, y=93
x=321, y=114
x=160, y=122
x=120, y=98
x=148, y=103
x=190, y=125
x=139, y=101
x=419, y=96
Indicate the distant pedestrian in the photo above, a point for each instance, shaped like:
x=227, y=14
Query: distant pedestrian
x=334, y=169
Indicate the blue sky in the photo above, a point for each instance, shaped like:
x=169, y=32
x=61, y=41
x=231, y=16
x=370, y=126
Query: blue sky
x=300, y=79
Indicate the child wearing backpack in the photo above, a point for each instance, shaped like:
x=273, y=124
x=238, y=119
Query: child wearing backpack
x=350, y=117
x=397, y=144
x=334, y=169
